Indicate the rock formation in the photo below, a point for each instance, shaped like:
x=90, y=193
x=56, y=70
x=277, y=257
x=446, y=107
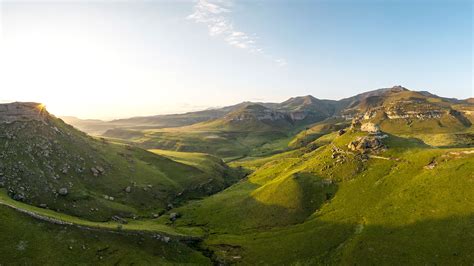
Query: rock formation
x=19, y=111
x=366, y=144
x=370, y=128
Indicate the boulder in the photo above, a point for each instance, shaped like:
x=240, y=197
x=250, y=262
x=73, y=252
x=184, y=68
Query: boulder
x=174, y=216
x=119, y=219
x=128, y=189
x=431, y=165
x=355, y=124
x=94, y=171
x=63, y=191
x=100, y=169
x=19, y=197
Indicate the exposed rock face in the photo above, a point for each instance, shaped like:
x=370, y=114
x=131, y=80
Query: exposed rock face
x=370, y=127
x=298, y=115
x=367, y=144
x=20, y=111
x=398, y=114
x=263, y=115
x=356, y=124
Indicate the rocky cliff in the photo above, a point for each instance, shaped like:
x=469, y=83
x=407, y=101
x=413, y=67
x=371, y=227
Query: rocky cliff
x=19, y=111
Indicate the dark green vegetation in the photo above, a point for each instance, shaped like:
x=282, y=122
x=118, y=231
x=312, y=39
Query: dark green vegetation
x=381, y=178
x=27, y=241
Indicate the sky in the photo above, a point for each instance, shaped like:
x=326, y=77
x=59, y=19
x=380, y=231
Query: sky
x=110, y=59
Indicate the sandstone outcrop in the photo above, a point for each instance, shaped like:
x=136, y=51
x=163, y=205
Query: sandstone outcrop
x=20, y=111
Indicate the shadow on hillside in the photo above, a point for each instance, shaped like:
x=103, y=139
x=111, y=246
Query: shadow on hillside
x=309, y=196
x=446, y=241
x=394, y=141
x=274, y=205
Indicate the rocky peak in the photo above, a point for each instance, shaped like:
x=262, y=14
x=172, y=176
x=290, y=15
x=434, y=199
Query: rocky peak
x=398, y=88
x=22, y=111
x=308, y=100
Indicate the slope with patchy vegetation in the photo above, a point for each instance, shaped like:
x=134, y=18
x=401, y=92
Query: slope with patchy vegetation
x=49, y=164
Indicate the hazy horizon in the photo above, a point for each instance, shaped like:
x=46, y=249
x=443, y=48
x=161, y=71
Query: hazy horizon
x=114, y=59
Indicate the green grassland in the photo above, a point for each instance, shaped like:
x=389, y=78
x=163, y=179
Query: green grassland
x=317, y=131
x=240, y=134
x=389, y=209
x=133, y=225
x=443, y=132
x=43, y=158
x=247, y=190
x=226, y=144
x=27, y=241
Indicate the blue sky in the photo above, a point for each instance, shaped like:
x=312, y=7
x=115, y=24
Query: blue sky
x=108, y=59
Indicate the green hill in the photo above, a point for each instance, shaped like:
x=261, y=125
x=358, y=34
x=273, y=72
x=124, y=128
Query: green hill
x=437, y=121
x=260, y=129
x=399, y=202
x=252, y=129
x=47, y=163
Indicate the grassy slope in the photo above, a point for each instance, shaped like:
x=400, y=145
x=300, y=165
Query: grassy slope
x=446, y=131
x=140, y=225
x=155, y=180
x=42, y=243
x=239, y=134
x=379, y=211
x=228, y=143
x=316, y=131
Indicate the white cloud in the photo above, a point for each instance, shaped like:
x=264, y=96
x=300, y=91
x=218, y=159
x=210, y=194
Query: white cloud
x=213, y=13
x=281, y=62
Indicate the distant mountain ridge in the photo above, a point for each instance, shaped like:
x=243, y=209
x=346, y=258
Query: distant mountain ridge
x=296, y=110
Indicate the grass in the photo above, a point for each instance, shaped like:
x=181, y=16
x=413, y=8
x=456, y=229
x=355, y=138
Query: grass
x=46, y=157
x=26, y=241
x=315, y=202
x=316, y=131
x=228, y=145
x=132, y=226
x=374, y=212
x=228, y=139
